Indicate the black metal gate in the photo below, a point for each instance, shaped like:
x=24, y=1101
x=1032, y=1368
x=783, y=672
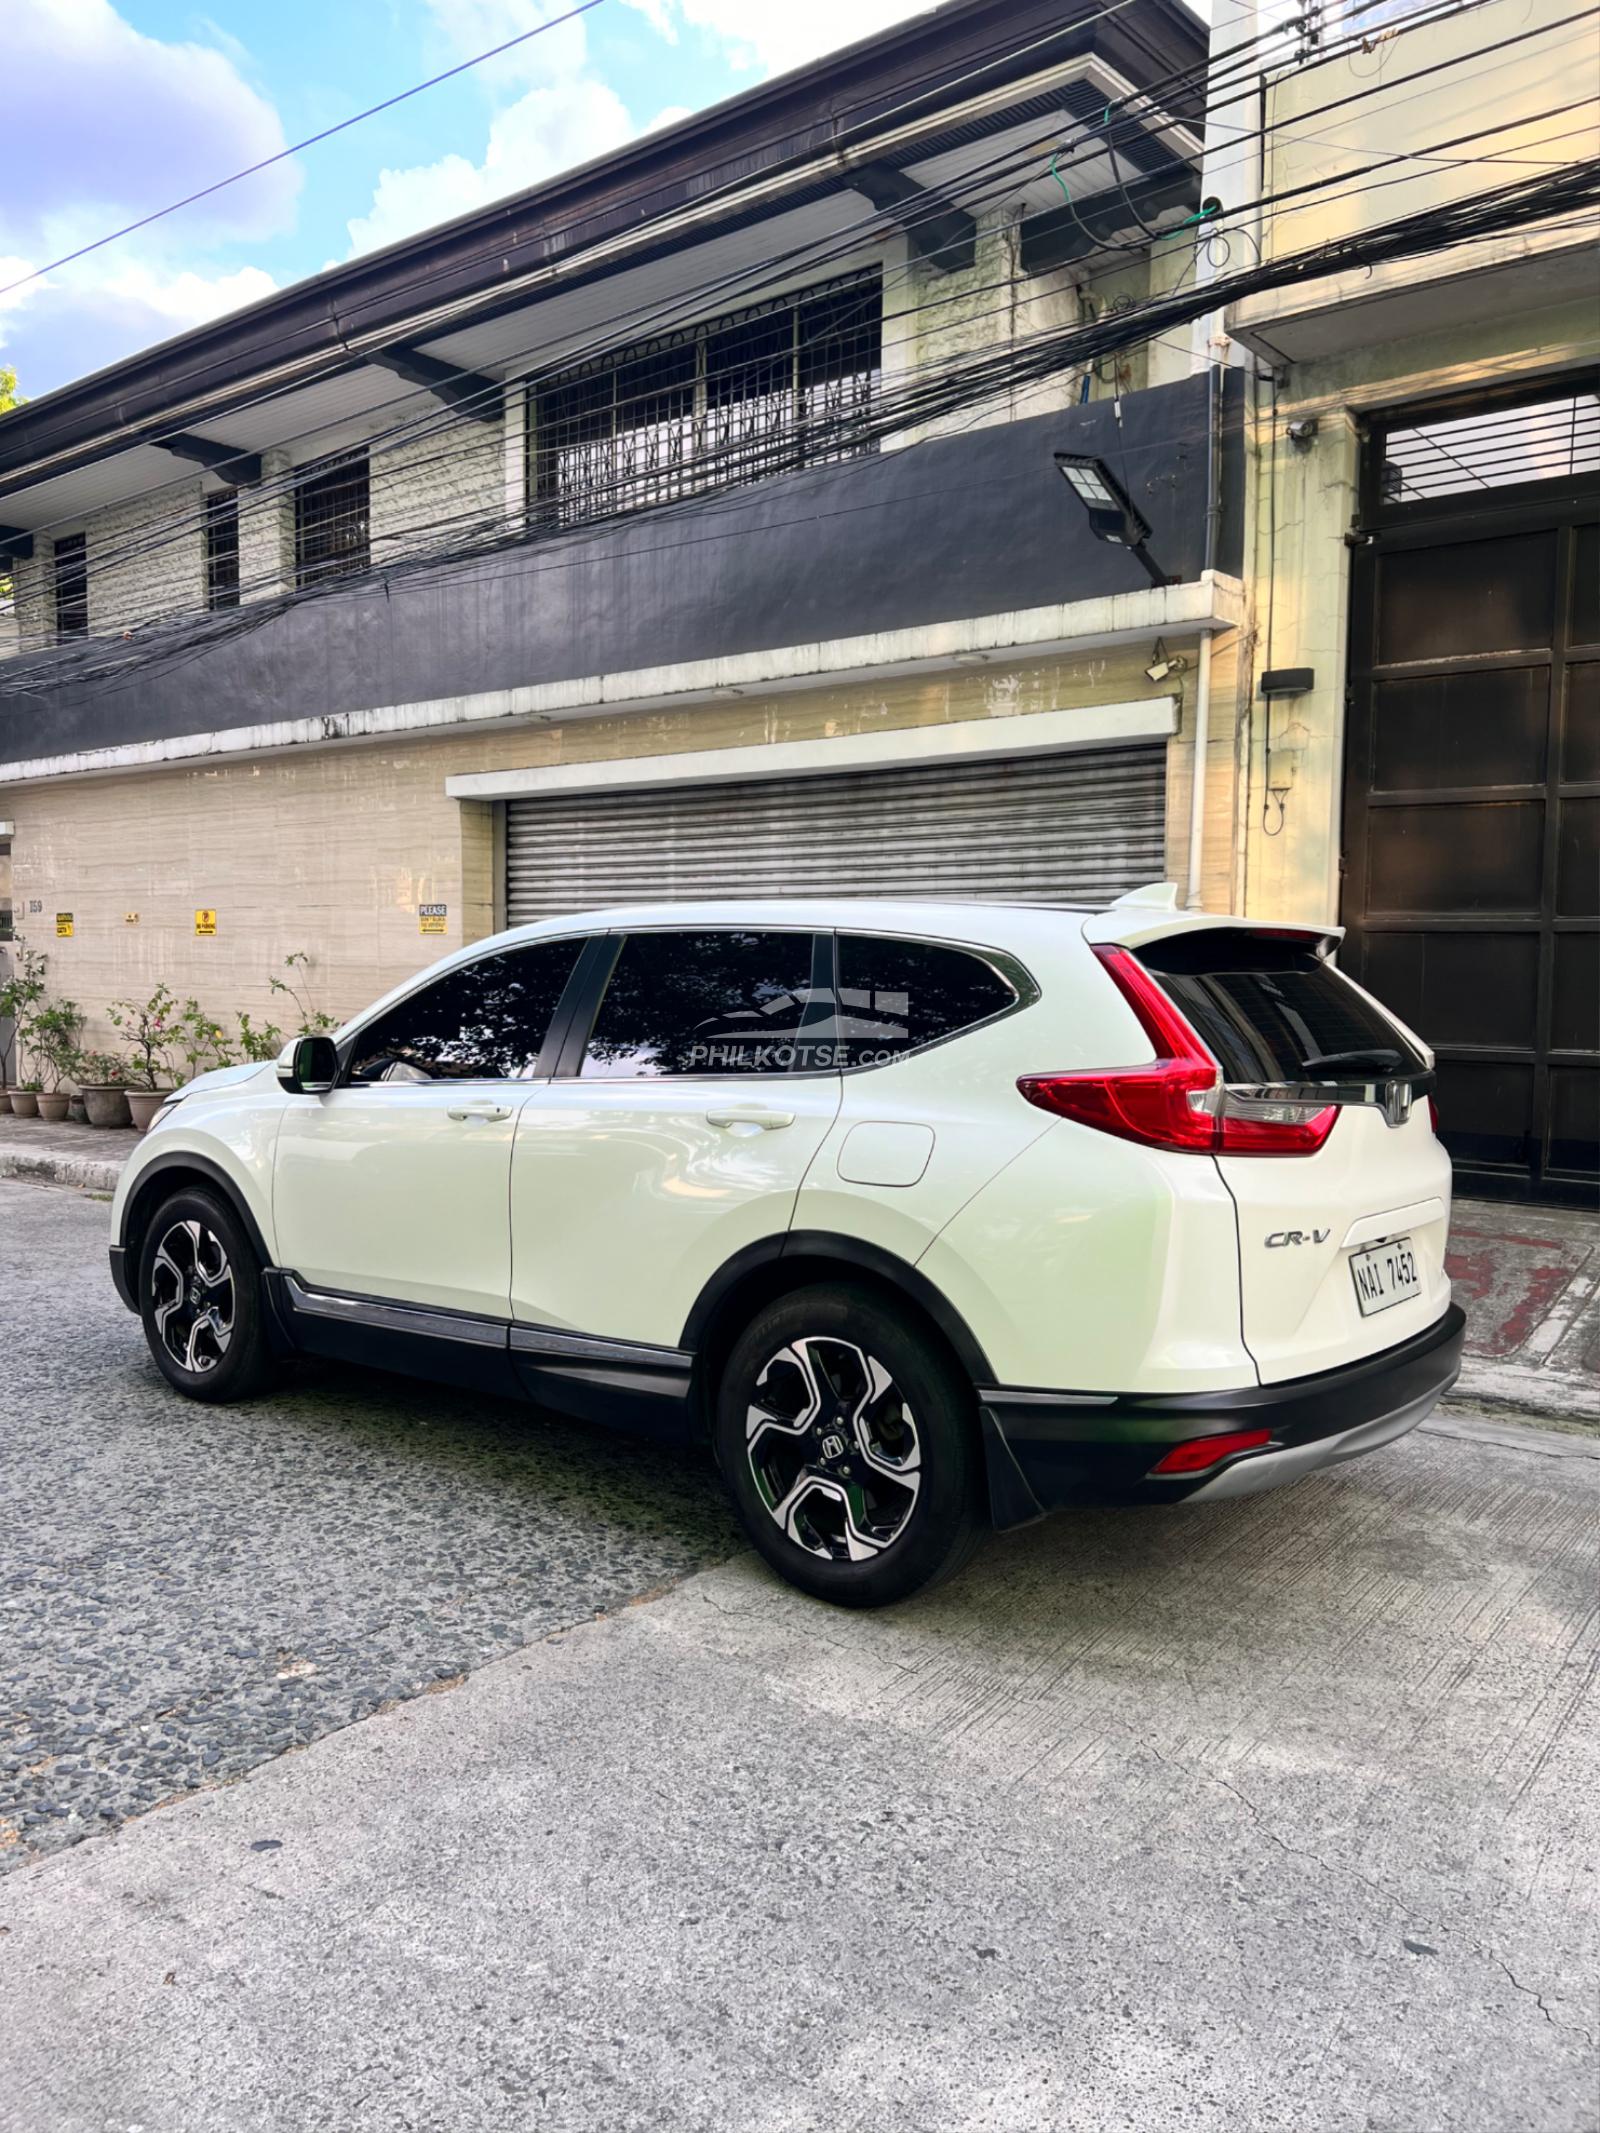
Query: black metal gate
x=1472, y=774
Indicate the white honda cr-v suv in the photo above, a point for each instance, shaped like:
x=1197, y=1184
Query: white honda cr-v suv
x=928, y=1216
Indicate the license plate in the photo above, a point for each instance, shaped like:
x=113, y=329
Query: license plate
x=1385, y=1275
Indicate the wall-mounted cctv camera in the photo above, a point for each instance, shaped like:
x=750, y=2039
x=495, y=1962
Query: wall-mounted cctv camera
x=1165, y=663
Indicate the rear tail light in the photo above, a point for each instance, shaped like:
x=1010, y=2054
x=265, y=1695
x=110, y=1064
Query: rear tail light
x=1178, y=1100
x=1433, y=1113
x=1202, y=1452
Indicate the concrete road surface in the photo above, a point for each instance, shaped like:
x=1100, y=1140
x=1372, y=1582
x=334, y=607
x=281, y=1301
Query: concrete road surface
x=1274, y=1815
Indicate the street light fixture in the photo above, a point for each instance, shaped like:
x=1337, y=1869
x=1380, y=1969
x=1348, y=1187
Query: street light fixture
x=1112, y=516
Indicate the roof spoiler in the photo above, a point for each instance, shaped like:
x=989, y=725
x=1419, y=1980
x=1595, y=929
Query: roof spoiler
x=1152, y=912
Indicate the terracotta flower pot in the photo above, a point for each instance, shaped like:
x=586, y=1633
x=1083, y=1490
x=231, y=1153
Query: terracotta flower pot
x=143, y=1104
x=54, y=1105
x=25, y=1102
x=106, y=1103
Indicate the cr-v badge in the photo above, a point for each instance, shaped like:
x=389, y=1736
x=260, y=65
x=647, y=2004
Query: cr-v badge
x=1280, y=1237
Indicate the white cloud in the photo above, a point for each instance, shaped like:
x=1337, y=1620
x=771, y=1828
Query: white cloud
x=545, y=130
x=770, y=36
x=559, y=114
x=146, y=123
x=186, y=298
x=467, y=27
x=57, y=328
x=105, y=125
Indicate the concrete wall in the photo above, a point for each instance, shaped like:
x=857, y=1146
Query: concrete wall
x=1476, y=84
x=146, y=559
x=448, y=482
x=332, y=850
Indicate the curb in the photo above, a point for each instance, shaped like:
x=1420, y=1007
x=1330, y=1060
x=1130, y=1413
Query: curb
x=52, y=1166
x=1527, y=1388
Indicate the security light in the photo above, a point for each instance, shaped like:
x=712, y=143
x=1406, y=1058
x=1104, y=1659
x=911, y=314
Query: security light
x=1111, y=515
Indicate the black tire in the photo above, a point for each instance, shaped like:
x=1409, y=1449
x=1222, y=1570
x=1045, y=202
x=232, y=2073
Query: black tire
x=200, y=1299
x=857, y=1491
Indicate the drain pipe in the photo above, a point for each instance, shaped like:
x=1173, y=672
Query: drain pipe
x=1202, y=692
x=1232, y=175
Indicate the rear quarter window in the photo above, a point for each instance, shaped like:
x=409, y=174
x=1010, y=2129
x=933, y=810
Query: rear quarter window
x=1270, y=1009
x=894, y=997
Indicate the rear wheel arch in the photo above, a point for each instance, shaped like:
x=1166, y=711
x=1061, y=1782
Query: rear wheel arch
x=805, y=1259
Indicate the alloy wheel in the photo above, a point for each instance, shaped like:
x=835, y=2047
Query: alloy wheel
x=833, y=1448
x=192, y=1296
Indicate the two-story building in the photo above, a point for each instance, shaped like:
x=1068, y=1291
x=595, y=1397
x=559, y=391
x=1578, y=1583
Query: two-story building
x=688, y=524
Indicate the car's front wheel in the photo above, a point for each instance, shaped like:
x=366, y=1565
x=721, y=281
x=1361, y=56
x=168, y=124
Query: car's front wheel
x=847, y=1437
x=200, y=1299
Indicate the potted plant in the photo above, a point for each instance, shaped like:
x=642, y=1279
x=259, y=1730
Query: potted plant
x=151, y=1028
x=20, y=996
x=53, y=1035
x=25, y=1099
x=103, y=1085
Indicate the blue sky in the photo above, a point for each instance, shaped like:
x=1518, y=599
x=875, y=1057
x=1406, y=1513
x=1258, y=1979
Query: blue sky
x=109, y=111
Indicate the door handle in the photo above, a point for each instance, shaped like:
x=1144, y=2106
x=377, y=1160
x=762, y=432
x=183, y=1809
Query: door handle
x=484, y=1111
x=750, y=1115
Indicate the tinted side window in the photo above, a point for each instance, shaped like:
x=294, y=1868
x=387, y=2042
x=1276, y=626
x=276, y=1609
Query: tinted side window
x=483, y=1022
x=896, y=995
x=703, y=1003
x=1272, y=1010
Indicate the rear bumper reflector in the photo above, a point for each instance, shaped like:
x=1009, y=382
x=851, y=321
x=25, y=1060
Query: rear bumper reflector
x=1199, y=1454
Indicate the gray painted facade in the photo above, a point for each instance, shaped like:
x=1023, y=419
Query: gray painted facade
x=958, y=526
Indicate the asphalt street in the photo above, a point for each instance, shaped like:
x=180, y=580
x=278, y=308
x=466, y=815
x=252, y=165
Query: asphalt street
x=1268, y=1815
x=187, y=1590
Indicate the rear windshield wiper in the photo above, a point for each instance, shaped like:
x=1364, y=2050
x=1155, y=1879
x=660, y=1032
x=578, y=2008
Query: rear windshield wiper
x=1377, y=1055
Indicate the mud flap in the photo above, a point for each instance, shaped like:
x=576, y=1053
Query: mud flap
x=1011, y=1501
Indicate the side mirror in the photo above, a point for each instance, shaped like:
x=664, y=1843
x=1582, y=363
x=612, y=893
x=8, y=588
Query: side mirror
x=309, y=1066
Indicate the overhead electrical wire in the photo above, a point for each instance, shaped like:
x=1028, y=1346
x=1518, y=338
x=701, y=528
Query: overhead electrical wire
x=1497, y=211
x=282, y=155
x=700, y=479
x=433, y=418
x=695, y=298
x=445, y=419
x=449, y=420
x=1138, y=106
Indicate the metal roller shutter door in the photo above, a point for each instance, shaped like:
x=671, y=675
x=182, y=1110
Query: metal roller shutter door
x=1073, y=827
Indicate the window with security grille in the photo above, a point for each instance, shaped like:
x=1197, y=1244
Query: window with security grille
x=790, y=384
x=71, y=562
x=222, y=549
x=1493, y=447
x=332, y=517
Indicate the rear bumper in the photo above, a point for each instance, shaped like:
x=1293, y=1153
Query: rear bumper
x=1048, y=1449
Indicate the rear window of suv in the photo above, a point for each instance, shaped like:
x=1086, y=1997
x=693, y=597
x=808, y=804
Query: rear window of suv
x=1270, y=1009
